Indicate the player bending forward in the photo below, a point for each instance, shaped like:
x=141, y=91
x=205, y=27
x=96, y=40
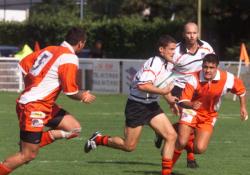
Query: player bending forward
x=201, y=98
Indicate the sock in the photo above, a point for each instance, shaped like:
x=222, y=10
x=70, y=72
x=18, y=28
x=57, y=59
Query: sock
x=166, y=166
x=190, y=148
x=4, y=170
x=176, y=156
x=46, y=139
x=101, y=140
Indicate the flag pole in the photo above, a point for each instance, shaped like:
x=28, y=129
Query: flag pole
x=238, y=75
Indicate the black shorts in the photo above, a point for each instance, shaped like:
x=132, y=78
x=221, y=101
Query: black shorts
x=139, y=114
x=35, y=137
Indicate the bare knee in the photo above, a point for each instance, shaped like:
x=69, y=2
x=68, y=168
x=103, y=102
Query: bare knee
x=129, y=147
x=170, y=136
x=181, y=143
x=200, y=148
x=27, y=157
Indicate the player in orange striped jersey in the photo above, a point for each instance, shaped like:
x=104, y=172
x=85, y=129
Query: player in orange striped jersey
x=46, y=73
x=201, y=98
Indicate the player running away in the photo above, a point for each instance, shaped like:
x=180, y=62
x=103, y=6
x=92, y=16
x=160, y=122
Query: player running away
x=46, y=73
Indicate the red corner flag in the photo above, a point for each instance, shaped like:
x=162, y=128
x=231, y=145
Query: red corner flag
x=37, y=46
x=243, y=54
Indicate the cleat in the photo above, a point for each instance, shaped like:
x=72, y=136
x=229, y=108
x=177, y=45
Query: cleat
x=158, y=141
x=91, y=144
x=192, y=164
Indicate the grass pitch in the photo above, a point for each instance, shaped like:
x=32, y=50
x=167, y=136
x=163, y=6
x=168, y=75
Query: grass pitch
x=228, y=152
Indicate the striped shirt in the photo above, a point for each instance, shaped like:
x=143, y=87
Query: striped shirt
x=187, y=63
x=47, y=73
x=154, y=69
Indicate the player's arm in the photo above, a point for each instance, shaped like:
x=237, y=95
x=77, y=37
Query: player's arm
x=150, y=88
x=186, y=98
x=240, y=90
x=68, y=75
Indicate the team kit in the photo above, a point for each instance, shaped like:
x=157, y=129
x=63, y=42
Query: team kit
x=184, y=73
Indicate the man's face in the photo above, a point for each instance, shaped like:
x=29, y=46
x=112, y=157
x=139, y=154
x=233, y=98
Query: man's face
x=168, y=51
x=80, y=46
x=190, y=34
x=209, y=70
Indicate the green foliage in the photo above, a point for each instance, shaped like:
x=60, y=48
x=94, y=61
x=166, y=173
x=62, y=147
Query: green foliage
x=125, y=37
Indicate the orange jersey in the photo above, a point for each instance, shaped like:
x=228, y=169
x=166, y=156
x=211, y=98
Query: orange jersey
x=47, y=72
x=209, y=93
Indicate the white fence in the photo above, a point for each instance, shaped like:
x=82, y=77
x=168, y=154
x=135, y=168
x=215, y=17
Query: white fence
x=98, y=75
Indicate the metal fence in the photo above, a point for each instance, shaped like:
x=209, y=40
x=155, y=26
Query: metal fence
x=99, y=75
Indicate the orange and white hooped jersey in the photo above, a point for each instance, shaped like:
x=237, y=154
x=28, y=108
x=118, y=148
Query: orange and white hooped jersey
x=47, y=72
x=209, y=93
x=187, y=63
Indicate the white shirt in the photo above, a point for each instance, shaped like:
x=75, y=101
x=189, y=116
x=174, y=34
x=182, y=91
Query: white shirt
x=187, y=63
x=153, y=69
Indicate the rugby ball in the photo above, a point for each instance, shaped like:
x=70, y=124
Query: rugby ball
x=165, y=79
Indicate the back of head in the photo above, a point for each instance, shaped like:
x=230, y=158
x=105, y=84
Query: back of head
x=75, y=35
x=211, y=58
x=164, y=40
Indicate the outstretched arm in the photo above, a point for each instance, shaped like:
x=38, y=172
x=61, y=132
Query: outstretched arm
x=83, y=96
x=243, y=109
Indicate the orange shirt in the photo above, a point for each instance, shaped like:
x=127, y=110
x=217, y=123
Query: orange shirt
x=209, y=93
x=47, y=72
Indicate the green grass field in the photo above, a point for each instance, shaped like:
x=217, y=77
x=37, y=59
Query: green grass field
x=227, y=154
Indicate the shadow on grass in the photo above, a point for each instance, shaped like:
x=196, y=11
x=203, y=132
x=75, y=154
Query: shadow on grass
x=123, y=162
x=149, y=172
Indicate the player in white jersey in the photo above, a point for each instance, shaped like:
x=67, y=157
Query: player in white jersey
x=187, y=60
x=46, y=73
x=142, y=107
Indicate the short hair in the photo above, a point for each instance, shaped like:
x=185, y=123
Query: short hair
x=74, y=35
x=211, y=58
x=164, y=40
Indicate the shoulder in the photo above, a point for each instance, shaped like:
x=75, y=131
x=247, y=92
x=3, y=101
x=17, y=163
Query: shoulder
x=206, y=45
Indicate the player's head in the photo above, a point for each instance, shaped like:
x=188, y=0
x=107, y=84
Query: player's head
x=190, y=33
x=76, y=37
x=209, y=66
x=166, y=46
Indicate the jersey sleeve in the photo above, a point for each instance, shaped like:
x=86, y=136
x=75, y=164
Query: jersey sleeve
x=27, y=62
x=189, y=89
x=238, y=87
x=148, y=72
x=67, y=71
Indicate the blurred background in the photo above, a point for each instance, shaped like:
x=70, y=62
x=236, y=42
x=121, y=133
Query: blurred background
x=127, y=28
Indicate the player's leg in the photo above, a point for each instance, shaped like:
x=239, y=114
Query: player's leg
x=29, y=147
x=202, y=139
x=161, y=125
x=184, y=132
x=191, y=162
x=128, y=143
x=63, y=125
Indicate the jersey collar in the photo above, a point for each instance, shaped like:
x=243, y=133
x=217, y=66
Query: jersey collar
x=183, y=48
x=66, y=44
x=216, y=78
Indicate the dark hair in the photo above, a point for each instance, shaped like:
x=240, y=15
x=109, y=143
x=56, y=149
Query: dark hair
x=75, y=35
x=211, y=58
x=164, y=40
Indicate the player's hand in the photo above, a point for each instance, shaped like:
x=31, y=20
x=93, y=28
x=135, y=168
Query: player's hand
x=168, y=88
x=174, y=109
x=196, y=105
x=87, y=97
x=243, y=114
